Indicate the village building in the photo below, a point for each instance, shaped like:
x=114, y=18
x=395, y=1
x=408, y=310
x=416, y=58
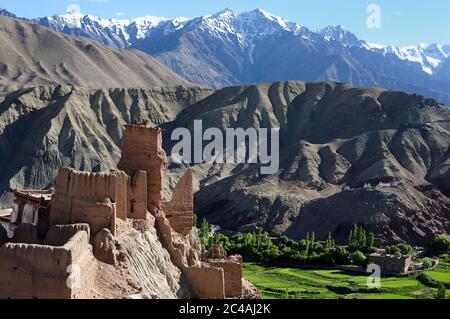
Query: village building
x=391, y=264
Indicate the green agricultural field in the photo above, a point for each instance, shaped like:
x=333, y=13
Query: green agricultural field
x=293, y=283
x=441, y=274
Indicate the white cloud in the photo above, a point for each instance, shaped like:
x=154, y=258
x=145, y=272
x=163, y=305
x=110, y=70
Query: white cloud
x=73, y=7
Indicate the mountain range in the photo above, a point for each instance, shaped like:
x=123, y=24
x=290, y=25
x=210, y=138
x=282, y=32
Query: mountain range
x=229, y=48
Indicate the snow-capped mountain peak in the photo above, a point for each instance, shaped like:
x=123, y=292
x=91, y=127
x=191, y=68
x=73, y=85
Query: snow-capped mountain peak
x=429, y=56
x=262, y=14
x=79, y=21
x=70, y=19
x=245, y=26
x=223, y=14
x=139, y=27
x=341, y=34
x=261, y=22
x=6, y=13
x=152, y=21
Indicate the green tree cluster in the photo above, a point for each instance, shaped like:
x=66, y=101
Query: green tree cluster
x=439, y=245
x=259, y=246
x=400, y=249
x=204, y=233
x=441, y=293
x=358, y=239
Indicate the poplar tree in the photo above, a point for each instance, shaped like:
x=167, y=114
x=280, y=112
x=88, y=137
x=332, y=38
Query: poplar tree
x=371, y=240
x=350, y=238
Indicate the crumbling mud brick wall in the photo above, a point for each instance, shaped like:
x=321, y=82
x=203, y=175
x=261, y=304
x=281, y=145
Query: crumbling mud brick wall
x=96, y=199
x=97, y=214
x=180, y=210
x=232, y=268
x=25, y=234
x=59, y=235
x=142, y=151
x=206, y=282
x=42, y=272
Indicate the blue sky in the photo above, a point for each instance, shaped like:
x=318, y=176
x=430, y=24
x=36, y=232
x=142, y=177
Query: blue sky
x=403, y=22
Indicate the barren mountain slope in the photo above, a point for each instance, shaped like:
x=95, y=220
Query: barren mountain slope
x=332, y=136
x=45, y=128
x=34, y=55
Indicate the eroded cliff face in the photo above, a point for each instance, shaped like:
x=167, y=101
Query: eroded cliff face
x=155, y=262
x=43, y=129
x=150, y=265
x=142, y=267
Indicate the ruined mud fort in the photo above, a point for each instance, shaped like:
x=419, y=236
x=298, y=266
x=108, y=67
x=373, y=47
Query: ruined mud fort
x=53, y=233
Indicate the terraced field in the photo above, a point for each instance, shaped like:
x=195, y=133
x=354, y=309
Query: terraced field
x=293, y=283
x=441, y=274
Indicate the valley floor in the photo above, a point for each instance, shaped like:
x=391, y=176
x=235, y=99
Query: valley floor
x=296, y=283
